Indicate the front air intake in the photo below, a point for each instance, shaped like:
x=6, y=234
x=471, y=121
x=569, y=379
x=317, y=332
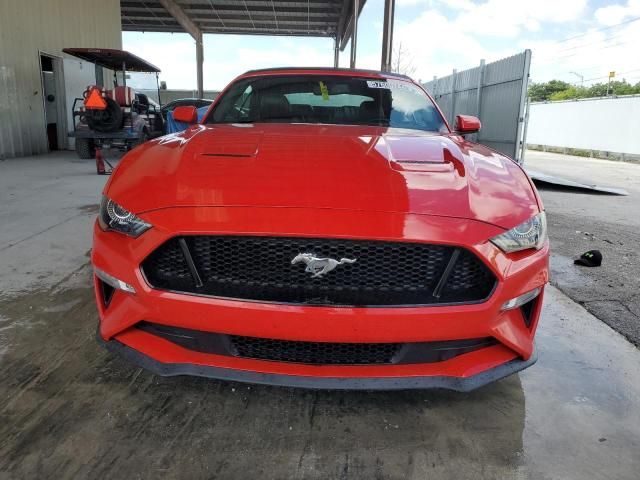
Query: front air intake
x=260, y=269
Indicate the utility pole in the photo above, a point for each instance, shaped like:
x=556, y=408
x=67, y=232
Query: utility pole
x=581, y=77
x=611, y=75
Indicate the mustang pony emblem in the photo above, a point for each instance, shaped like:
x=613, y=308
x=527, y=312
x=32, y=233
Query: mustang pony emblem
x=319, y=266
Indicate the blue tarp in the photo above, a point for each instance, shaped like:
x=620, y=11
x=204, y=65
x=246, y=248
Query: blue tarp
x=173, y=126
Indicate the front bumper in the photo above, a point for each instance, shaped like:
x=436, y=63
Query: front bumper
x=121, y=256
x=459, y=384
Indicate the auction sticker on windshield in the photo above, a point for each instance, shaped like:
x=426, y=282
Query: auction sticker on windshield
x=386, y=85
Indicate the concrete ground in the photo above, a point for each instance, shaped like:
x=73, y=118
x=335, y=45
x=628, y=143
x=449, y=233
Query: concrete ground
x=72, y=410
x=585, y=221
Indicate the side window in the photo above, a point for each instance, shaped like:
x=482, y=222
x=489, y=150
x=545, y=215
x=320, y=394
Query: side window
x=426, y=118
x=240, y=109
x=242, y=106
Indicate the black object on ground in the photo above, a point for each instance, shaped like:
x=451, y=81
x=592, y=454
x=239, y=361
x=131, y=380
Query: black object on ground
x=592, y=258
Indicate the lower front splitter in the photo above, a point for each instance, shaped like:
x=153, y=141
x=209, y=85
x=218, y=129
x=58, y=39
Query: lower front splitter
x=460, y=384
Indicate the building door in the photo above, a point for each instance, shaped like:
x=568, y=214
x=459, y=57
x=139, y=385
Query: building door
x=53, y=99
x=78, y=75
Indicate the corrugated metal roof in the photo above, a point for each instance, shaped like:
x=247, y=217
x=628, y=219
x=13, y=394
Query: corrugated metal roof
x=112, y=59
x=316, y=18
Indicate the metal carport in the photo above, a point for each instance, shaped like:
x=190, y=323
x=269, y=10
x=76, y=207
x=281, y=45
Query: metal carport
x=335, y=19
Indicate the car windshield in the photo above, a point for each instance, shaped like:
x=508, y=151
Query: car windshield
x=328, y=99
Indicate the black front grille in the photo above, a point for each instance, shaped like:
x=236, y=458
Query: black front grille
x=260, y=269
x=315, y=353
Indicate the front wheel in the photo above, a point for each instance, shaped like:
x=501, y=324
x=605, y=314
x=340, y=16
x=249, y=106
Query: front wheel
x=85, y=148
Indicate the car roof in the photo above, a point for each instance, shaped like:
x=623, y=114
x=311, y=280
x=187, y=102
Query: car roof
x=355, y=72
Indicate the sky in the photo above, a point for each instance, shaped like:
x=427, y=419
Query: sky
x=572, y=40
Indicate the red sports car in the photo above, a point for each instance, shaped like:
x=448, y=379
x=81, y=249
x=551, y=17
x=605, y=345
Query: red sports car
x=322, y=228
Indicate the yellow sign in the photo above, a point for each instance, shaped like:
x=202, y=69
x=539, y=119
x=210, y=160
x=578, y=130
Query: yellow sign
x=612, y=74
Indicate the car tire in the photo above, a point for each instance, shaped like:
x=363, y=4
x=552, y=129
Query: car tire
x=85, y=148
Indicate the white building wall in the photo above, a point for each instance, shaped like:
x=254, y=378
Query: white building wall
x=602, y=124
x=28, y=27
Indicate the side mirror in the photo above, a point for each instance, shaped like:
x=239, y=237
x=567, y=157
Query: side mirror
x=467, y=124
x=185, y=114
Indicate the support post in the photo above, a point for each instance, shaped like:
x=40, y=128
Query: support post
x=387, y=35
x=523, y=142
x=336, y=52
x=176, y=11
x=479, y=91
x=452, y=114
x=354, y=33
x=479, y=94
x=199, y=65
x=158, y=89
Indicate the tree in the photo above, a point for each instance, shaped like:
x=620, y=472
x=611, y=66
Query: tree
x=623, y=88
x=402, y=61
x=559, y=90
x=539, y=92
x=570, y=93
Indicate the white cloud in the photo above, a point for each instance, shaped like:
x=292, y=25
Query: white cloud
x=411, y=3
x=459, y=4
x=459, y=49
x=507, y=18
x=615, y=14
x=174, y=54
x=453, y=33
x=498, y=28
x=225, y=57
x=592, y=55
x=438, y=35
x=292, y=54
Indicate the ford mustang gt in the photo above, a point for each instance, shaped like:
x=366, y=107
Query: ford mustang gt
x=322, y=228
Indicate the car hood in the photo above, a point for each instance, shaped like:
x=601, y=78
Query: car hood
x=325, y=167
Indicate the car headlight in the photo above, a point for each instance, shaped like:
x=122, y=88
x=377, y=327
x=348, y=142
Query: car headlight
x=114, y=217
x=530, y=234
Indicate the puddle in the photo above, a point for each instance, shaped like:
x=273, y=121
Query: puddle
x=91, y=208
x=63, y=393
x=61, y=307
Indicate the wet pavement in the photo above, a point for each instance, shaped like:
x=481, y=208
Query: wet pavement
x=69, y=409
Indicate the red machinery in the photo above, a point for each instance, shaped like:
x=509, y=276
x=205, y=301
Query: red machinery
x=118, y=117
